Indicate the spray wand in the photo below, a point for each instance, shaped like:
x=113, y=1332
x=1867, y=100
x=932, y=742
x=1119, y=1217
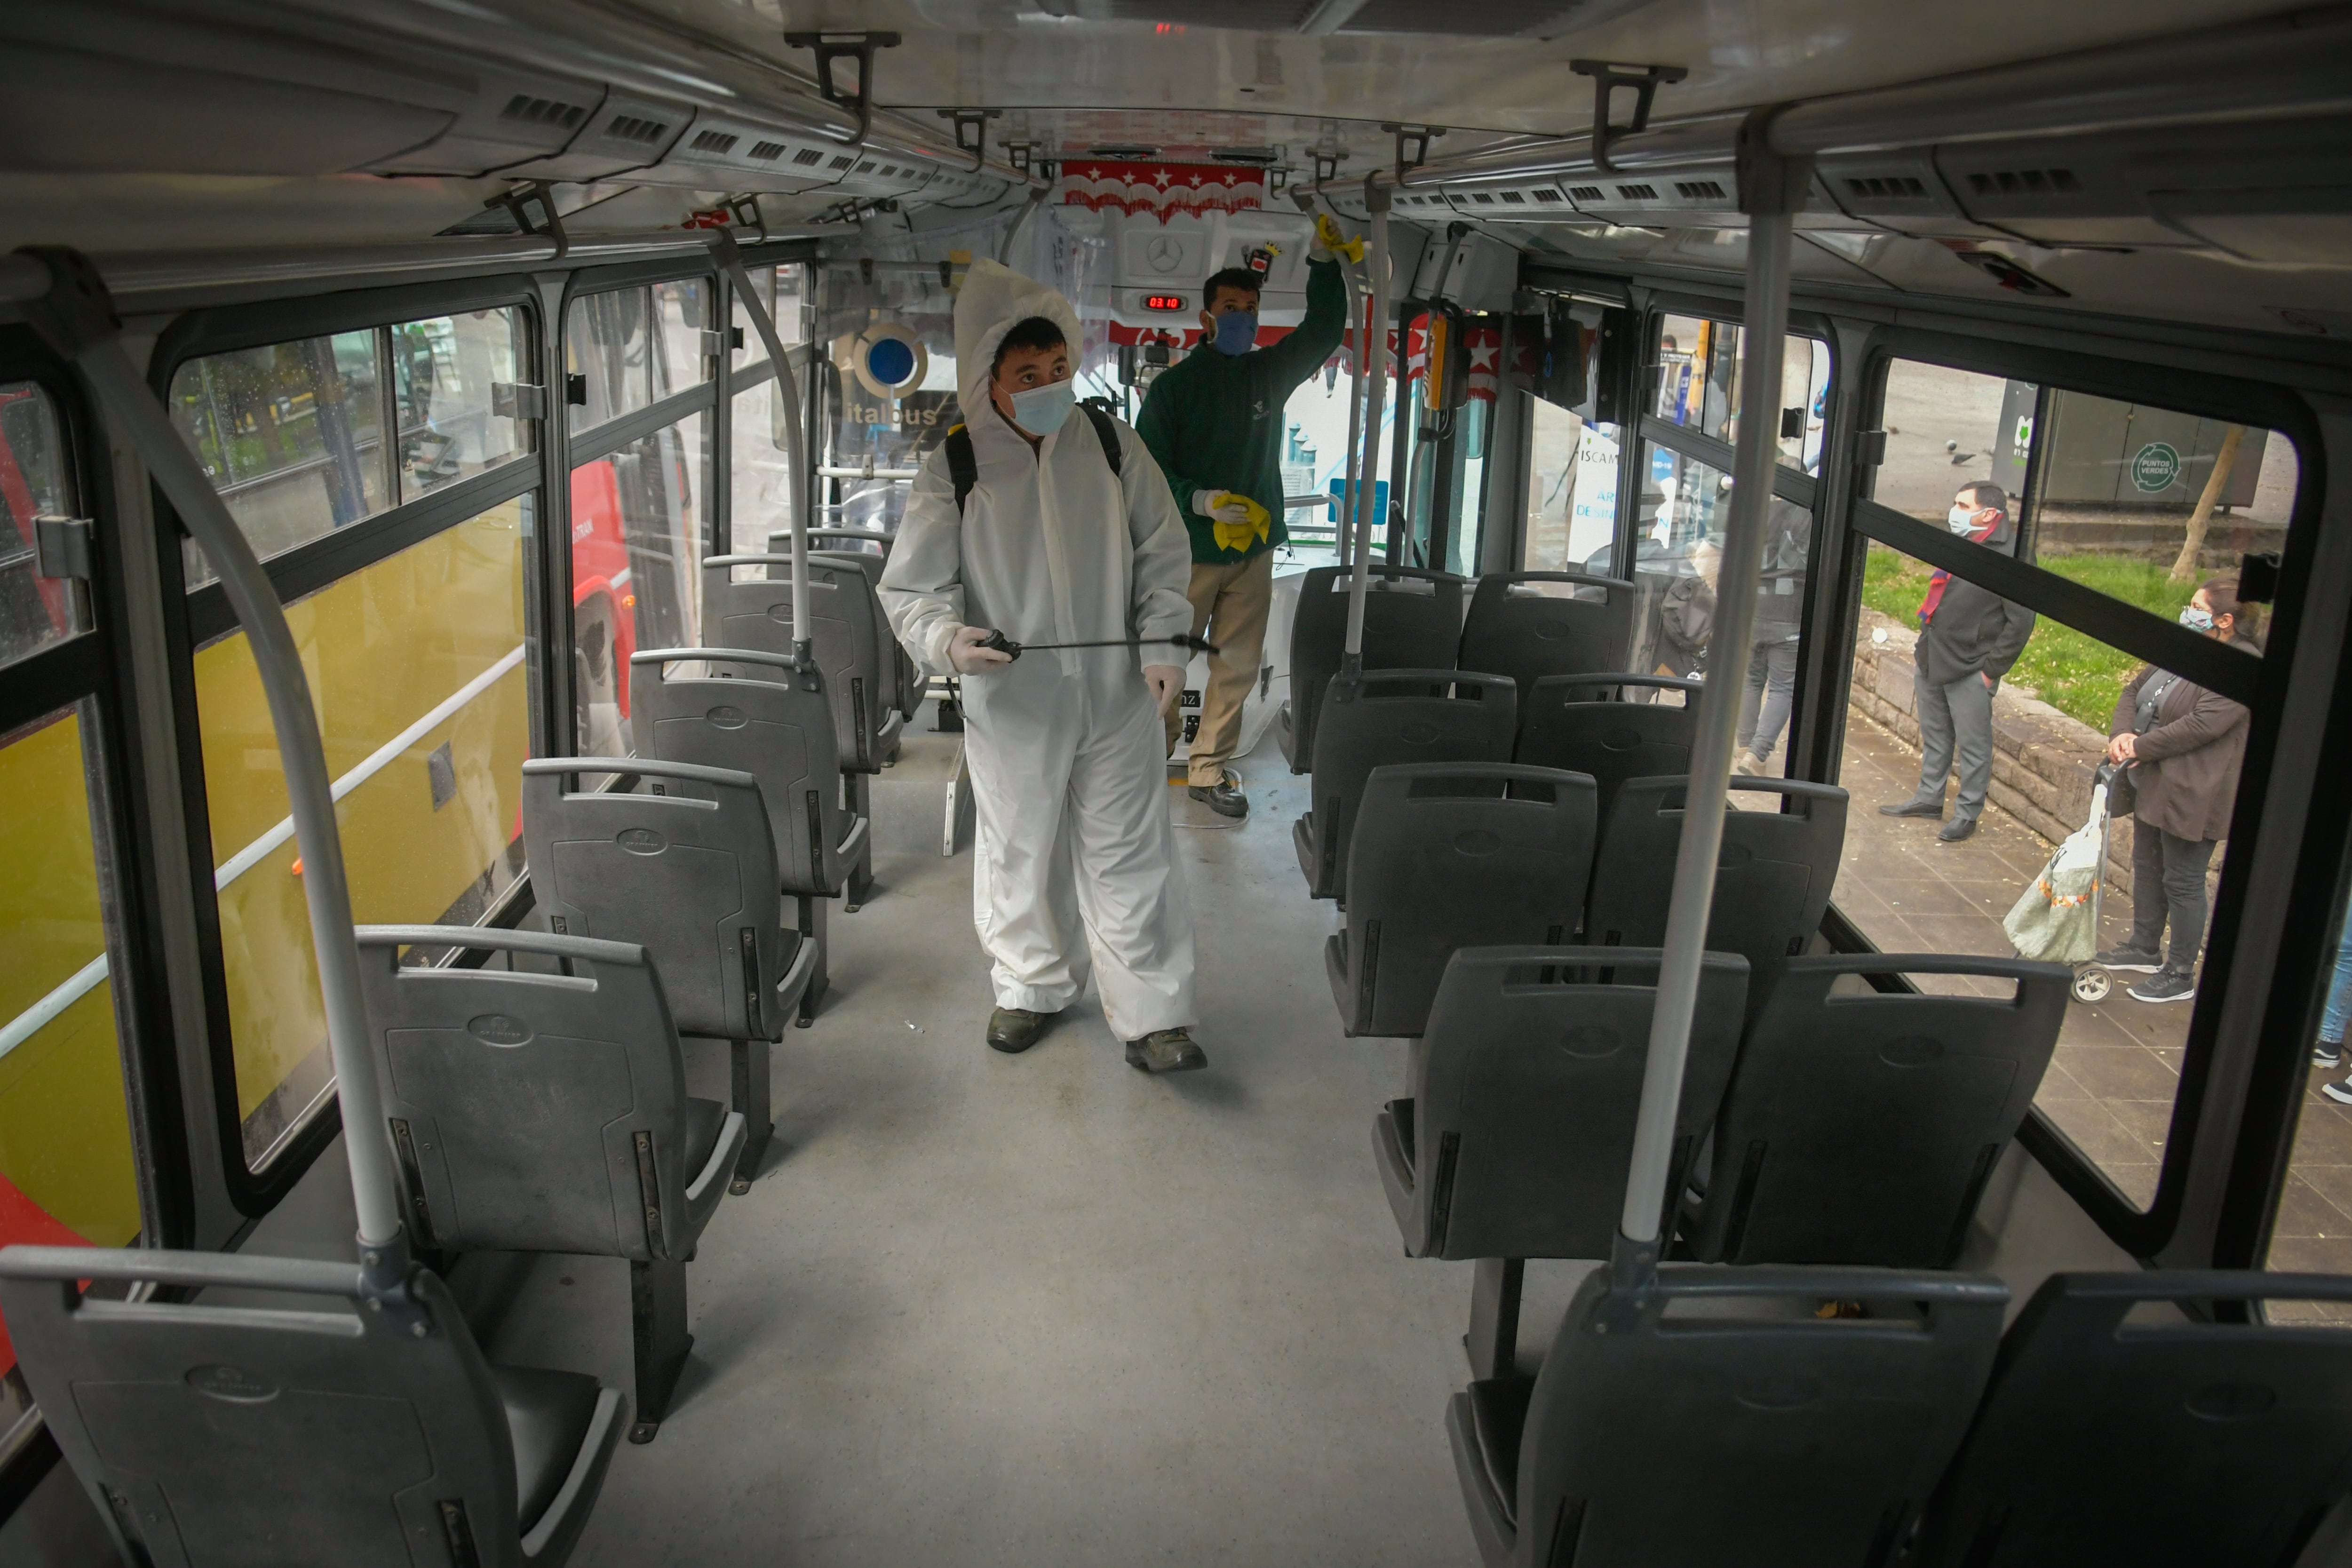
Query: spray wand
x=1005, y=645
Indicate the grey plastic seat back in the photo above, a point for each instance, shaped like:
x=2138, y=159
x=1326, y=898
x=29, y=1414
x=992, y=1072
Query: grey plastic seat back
x=1524, y=1090
x=1588, y=725
x=1862, y=1128
x=761, y=721
x=354, y=1442
x=1412, y=620
x=1773, y=881
x=837, y=541
x=1392, y=716
x=1453, y=854
x=906, y=679
x=682, y=866
x=1516, y=628
x=537, y=1112
x=1711, y=1417
x=845, y=629
x=2170, y=1442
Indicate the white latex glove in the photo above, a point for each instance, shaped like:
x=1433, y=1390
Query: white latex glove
x=969, y=657
x=1223, y=505
x=1167, y=683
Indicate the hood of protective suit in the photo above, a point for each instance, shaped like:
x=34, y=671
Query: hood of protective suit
x=993, y=300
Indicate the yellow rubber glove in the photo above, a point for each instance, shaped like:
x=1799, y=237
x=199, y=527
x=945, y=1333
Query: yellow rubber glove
x=1239, y=520
x=1328, y=238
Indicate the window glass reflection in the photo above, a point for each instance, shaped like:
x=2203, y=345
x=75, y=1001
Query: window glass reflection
x=34, y=482
x=636, y=527
x=1699, y=370
x=443, y=370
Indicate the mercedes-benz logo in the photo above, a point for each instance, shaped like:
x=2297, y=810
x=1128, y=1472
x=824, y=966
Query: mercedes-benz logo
x=1165, y=253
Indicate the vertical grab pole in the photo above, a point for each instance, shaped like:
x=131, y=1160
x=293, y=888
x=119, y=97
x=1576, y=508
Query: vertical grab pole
x=1772, y=188
x=1346, y=511
x=723, y=247
x=1376, y=203
x=77, y=318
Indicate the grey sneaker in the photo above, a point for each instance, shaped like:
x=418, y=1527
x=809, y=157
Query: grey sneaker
x=1015, y=1029
x=2167, y=985
x=2130, y=960
x=1166, y=1050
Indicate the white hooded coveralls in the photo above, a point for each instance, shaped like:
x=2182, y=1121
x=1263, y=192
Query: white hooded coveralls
x=1075, y=856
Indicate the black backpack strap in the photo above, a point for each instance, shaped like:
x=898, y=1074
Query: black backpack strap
x=1106, y=429
x=963, y=468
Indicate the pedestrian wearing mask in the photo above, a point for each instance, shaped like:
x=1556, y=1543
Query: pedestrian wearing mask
x=2183, y=745
x=1968, y=637
x=1215, y=422
x=1061, y=531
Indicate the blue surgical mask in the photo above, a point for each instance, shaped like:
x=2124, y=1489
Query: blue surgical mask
x=2195, y=619
x=1960, y=519
x=1236, y=333
x=1041, y=409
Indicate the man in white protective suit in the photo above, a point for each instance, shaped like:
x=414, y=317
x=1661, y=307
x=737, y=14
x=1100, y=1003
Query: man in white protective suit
x=1021, y=523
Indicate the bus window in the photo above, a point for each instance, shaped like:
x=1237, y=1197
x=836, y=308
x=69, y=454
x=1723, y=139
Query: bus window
x=1571, y=489
x=682, y=314
x=2137, y=502
x=630, y=348
x=784, y=292
x=442, y=373
x=1700, y=365
x=2312, y=1229
x=417, y=663
x=292, y=436
x=35, y=611
x=2035, y=741
x=66, y=1172
x=637, y=532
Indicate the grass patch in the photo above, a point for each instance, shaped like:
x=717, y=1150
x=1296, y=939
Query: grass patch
x=2076, y=674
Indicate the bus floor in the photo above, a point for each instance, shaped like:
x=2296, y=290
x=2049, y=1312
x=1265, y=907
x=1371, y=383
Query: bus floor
x=1043, y=1308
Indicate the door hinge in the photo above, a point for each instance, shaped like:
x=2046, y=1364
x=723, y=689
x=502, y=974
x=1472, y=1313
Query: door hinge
x=61, y=547
x=518, y=400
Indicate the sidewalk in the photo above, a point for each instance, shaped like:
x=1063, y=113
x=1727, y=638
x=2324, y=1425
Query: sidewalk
x=2111, y=1085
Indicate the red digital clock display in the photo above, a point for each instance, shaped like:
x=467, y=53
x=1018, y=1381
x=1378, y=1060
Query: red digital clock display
x=1163, y=301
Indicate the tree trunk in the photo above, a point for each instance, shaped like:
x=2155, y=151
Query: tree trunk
x=2184, y=567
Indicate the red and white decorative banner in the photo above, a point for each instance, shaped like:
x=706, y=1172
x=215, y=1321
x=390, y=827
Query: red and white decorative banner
x=1163, y=190
x=1485, y=345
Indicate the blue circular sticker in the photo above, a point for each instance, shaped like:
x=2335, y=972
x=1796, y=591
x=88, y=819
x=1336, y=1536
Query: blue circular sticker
x=891, y=362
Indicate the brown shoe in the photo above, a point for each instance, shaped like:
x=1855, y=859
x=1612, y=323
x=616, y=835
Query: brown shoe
x=1166, y=1050
x=1015, y=1029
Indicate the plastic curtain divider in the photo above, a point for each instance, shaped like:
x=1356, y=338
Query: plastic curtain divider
x=1766, y=183
x=1376, y=203
x=78, y=320
x=730, y=256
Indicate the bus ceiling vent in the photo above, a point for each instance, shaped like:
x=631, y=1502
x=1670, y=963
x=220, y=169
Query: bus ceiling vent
x=1607, y=78
x=831, y=49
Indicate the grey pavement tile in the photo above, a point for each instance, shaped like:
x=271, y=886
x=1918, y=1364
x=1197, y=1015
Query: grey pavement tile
x=2058, y=1084
x=2333, y=1184
x=2325, y=1139
x=2150, y=1121
x=2127, y=1072
x=2302, y=1212
x=2310, y=1255
x=2105, y=1140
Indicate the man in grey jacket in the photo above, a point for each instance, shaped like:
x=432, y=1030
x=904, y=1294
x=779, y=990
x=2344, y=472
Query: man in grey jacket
x=1968, y=637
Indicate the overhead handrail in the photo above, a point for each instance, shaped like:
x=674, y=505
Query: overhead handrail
x=1772, y=188
x=75, y=318
x=729, y=257
x=1376, y=203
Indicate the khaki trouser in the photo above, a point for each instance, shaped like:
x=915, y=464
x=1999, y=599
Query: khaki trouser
x=1229, y=603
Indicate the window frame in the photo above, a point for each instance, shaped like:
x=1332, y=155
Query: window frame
x=194, y=618
x=2261, y=1145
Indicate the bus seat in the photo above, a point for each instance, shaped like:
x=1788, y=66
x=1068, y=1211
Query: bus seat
x=2109, y=1438
x=908, y=699
x=359, y=1442
x=1412, y=620
x=1707, y=1415
x=536, y=1113
x=768, y=726
x=1585, y=724
x=686, y=870
x=846, y=626
x=1447, y=855
x=1516, y=1137
x=1862, y=1129
x=1773, y=879
x=1518, y=628
x=1393, y=716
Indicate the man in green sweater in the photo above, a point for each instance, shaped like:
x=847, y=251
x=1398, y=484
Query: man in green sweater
x=1215, y=424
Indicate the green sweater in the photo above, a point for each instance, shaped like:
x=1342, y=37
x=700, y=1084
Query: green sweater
x=1216, y=421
